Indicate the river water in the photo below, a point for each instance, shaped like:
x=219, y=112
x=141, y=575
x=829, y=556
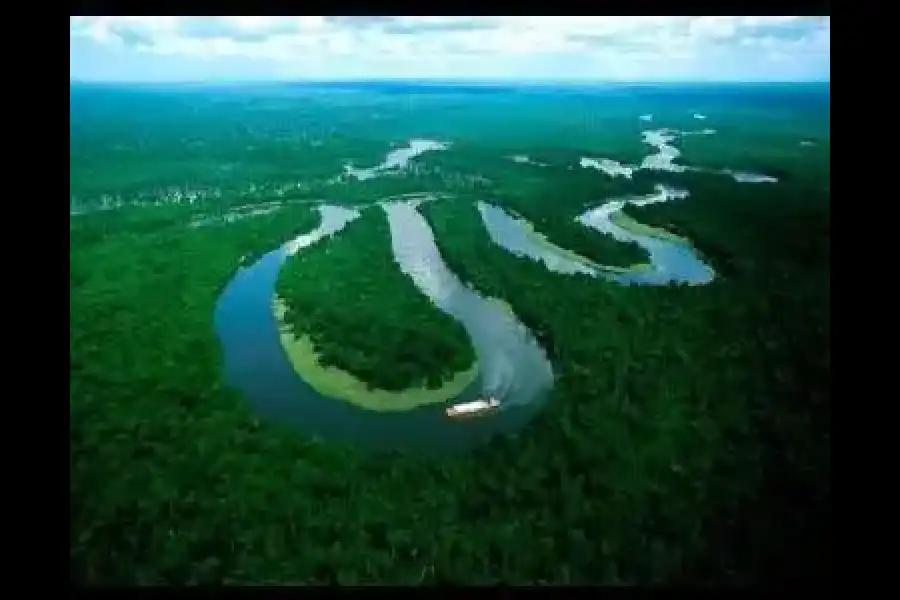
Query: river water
x=671, y=261
x=510, y=362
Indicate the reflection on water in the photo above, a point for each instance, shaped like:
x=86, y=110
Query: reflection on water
x=611, y=167
x=748, y=177
x=666, y=153
x=512, y=365
x=396, y=159
x=671, y=261
x=334, y=219
x=516, y=236
x=255, y=362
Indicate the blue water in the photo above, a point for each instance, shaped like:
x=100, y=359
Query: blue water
x=672, y=262
x=256, y=364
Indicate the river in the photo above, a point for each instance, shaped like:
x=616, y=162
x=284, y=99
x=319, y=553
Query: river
x=511, y=364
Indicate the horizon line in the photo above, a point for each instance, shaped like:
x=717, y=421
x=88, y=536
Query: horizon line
x=446, y=80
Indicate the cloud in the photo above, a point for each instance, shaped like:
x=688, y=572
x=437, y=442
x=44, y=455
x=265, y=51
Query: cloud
x=437, y=26
x=413, y=25
x=235, y=29
x=130, y=35
x=639, y=48
x=359, y=22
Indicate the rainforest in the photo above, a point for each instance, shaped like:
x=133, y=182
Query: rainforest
x=278, y=291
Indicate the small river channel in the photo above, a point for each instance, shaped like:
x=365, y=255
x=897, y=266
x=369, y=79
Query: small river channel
x=670, y=260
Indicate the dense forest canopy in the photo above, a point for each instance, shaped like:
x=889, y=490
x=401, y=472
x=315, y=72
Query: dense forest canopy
x=688, y=436
x=365, y=316
x=729, y=379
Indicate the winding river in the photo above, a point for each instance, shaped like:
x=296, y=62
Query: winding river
x=672, y=260
x=511, y=365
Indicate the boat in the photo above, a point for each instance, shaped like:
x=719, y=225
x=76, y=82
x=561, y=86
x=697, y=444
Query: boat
x=474, y=408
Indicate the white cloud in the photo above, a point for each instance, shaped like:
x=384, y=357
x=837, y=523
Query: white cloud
x=596, y=47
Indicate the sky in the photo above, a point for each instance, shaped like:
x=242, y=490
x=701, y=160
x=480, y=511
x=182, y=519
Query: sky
x=228, y=49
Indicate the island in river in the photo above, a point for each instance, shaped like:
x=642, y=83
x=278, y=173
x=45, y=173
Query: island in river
x=357, y=329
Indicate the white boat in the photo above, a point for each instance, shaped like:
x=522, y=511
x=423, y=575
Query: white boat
x=472, y=409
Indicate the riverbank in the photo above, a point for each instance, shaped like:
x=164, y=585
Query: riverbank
x=543, y=250
x=336, y=383
x=541, y=241
x=620, y=219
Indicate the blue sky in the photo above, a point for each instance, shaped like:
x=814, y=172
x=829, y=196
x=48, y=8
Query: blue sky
x=160, y=49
